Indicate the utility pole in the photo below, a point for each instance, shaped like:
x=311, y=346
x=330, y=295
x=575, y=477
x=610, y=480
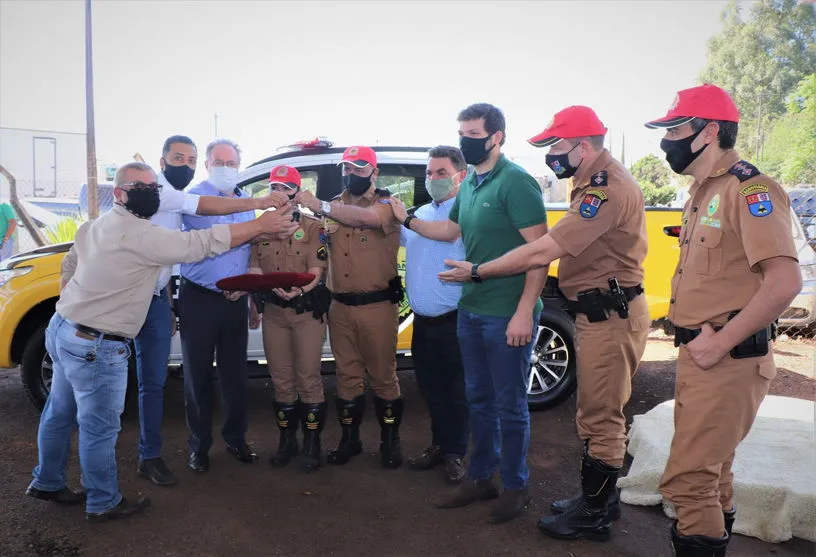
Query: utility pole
x=215, y=118
x=90, y=137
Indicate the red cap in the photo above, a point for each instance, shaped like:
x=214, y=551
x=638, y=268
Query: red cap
x=708, y=102
x=573, y=121
x=359, y=156
x=285, y=175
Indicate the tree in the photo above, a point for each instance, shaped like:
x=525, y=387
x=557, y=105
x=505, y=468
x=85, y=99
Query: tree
x=790, y=154
x=652, y=169
x=759, y=61
x=655, y=195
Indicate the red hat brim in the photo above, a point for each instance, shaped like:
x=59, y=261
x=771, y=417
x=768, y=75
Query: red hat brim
x=253, y=283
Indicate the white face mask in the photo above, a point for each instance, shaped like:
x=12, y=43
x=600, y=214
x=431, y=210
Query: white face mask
x=223, y=178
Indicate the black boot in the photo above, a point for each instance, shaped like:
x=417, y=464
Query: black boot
x=287, y=418
x=389, y=414
x=313, y=418
x=564, y=505
x=350, y=415
x=697, y=546
x=589, y=519
x=730, y=517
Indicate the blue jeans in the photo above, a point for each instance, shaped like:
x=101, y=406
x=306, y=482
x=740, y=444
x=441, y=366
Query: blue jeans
x=88, y=394
x=496, y=388
x=152, y=353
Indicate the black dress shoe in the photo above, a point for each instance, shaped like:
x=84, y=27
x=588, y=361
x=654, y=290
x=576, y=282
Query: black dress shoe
x=429, y=458
x=242, y=452
x=63, y=496
x=156, y=471
x=198, y=462
x=124, y=509
x=454, y=470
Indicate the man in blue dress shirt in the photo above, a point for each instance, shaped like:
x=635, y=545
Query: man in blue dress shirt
x=435, y=348
x=214, y=322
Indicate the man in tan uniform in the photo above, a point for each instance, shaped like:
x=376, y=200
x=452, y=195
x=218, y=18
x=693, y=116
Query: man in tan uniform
x=737, y=273
x=293, y=329
x=601, y=244
x=107, y=282
x=364, y=240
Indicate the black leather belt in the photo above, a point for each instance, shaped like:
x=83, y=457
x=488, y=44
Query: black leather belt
x=445, y=317
x=96, y=333
x=363, y=298
x=684, y=336
x=631, y=292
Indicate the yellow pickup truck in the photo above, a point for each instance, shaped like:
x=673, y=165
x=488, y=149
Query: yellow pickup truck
x=29, y=282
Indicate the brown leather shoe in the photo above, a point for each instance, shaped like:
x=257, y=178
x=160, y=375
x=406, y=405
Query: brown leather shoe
x=454, y=470
x=469, y=492
x=509, y=505
x=430, y=458
x=64, y=496
x=124, y=509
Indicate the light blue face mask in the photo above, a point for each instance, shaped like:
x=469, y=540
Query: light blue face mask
x=439, y=188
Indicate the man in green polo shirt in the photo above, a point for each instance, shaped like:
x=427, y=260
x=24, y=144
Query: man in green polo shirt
x=499, y=207
x=8, y=226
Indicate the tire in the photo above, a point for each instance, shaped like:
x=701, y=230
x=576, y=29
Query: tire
x=552, y=377
x=36, y=369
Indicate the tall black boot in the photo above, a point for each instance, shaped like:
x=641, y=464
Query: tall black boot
x=350, y=415
x=730, y=517
x=589, y=519
x=389, y=414
x=613, y=504
x=287, y=418
x=697, y=546
x=313, y=418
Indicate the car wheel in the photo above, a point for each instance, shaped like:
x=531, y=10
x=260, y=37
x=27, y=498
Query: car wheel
x=36, y=368
x=552, y=377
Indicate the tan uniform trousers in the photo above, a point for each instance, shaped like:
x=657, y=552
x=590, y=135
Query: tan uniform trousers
x=608, y=355
x=714, y=410
x=293, y=344
x=364, y=338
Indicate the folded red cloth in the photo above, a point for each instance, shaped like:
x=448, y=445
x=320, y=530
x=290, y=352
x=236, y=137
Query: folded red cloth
x=254, y=283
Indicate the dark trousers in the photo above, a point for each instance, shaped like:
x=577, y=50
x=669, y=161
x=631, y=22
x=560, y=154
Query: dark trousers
x=211, y=326
x=441, y=380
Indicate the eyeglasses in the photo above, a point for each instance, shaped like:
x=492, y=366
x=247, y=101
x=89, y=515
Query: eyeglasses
x=218, y=163
x=142, y=185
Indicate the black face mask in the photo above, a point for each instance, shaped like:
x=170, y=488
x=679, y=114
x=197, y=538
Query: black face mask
x=560, y=164
x=178, y=176
x=678, y=151
x=356, y=185
x=142, y=202
x=473, y=148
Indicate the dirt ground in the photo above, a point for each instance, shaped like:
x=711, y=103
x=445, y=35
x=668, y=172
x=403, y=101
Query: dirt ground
x=247, y=510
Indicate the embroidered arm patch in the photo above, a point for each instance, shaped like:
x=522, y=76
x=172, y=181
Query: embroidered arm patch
x=758, y=200
x=593, y=199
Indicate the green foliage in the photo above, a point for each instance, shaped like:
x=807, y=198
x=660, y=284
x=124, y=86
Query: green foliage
x=654, y=195
x=64, y=231
x=651, y=168
x=759, y=60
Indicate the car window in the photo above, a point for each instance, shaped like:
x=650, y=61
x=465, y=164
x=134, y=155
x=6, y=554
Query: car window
x=406, y=182
x=260, y=187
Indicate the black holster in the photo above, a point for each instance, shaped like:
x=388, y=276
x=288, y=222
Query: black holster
x=321, y=300
x=395, y=289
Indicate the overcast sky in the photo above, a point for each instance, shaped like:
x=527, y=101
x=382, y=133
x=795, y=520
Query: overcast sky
x=361, y=72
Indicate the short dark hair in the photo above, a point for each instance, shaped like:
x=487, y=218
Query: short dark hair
x=447, y=152
x=727, y=136
x=493, y=118
x=176, y=139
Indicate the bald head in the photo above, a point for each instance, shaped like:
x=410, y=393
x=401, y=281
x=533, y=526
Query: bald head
x=134, y=172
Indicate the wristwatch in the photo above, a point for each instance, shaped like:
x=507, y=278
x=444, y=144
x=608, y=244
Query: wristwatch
x=407, y=222
x=325, y=207
x=474, y=273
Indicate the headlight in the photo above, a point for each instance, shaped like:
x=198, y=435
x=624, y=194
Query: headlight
x=8, y=274
x=808, y=272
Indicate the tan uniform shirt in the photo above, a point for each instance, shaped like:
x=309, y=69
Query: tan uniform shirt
x=111, y=269
x=604, y=230
x=304, y=250
x=735, y=219
x=363, y=259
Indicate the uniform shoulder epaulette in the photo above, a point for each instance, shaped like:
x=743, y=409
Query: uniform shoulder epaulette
x=382, y=193
x=599, y=180
x=744, y=171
